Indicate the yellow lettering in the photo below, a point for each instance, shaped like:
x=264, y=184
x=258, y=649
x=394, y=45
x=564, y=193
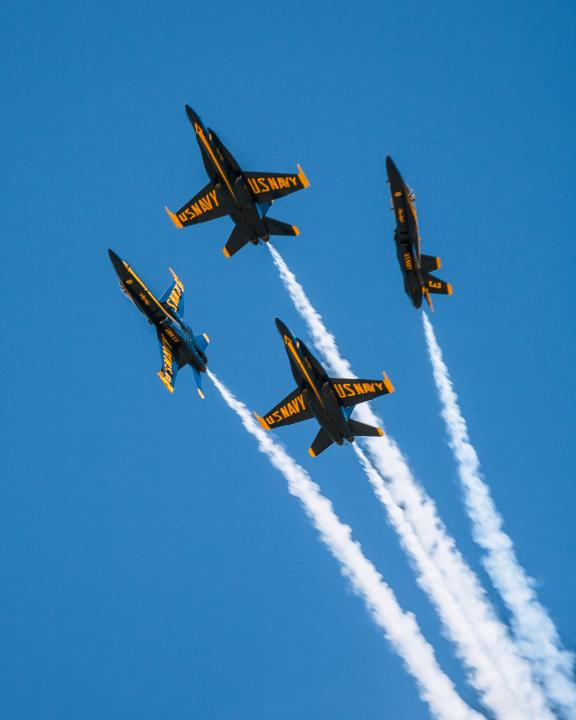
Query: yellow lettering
x=263, y=184
x=284, y=411
x=196, y=209
x=273, y=183
x=368, y=387
x=349, y=390
x=205, y=204
x=358, y=388
x=213, y=195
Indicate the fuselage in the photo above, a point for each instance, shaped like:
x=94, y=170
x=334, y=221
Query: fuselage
x=406, y=235
x=311, y=377
x=223, y=169
x=157, y=314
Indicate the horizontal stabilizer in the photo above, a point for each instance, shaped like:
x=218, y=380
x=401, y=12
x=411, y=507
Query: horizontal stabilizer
x=351, y=391
x=236, y=242
x=436, y=286
x=429, y=263
x=359, y=428
x=276, y=227
x=321, y=442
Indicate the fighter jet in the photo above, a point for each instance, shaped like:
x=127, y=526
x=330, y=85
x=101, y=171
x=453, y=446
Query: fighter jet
x=245, y=196
x=416, y=268
x=178, y=344
x=330, y=400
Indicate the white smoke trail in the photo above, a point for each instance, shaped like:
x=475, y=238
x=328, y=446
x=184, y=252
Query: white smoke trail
x=420, y=511
x=536, y=634
x=399, y=627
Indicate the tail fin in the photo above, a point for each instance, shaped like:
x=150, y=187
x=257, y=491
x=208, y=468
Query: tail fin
x=320, y=443
x=236, y=242
x=276, y=227
x=359, y=428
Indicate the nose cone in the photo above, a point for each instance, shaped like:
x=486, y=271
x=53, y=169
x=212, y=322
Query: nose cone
x=282, y=329
x=192, y=116
x=116, y=261
x=392, y=171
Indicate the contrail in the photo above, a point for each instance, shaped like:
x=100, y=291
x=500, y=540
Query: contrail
x=536, y=634
x=420, y=511
x=399, y=627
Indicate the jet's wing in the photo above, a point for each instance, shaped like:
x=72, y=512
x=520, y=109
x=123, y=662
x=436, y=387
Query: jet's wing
x=170, y=364
x=173, y=298
x=266, y=187
x=353, y=391
x=205, y=205
x=291, y=410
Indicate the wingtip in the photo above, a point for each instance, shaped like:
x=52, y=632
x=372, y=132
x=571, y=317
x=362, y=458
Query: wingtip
x=311, y=453
x=174, y=218
x=200, y=393
x=261, y=420
x=225, y=252
x=387, y=384
x=438, y=263
x=449, y=289
x=380, y=432
x=303, y=179
x=296, y=230
x=205, y=336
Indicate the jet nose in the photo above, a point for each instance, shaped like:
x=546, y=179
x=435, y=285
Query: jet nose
x=282, y=329
x=192, y=116
x=390, y=166
x=116, y=261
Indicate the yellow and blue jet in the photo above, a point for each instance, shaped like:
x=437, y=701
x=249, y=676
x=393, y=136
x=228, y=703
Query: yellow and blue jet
x=178, y=344
x=245, y=196
x=329, y=400
x=416, y=268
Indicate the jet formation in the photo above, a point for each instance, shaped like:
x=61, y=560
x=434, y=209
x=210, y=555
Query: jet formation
x=330, y=400
x=246, y=197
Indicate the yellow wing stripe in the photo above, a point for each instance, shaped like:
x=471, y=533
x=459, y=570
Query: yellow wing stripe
x=209, y=150
x=150, y=294
x=387, y=384
x=303, y=179
x=174, y=218
x=288, y=342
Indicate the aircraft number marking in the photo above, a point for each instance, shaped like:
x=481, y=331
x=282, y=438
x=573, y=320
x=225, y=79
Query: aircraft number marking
x=265, y=184
x=292, y=407
x=202, y=205
x=435, y=284
x=345, y=390
x=407, y=261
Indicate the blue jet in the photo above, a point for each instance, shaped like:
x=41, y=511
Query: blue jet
x=178, y=344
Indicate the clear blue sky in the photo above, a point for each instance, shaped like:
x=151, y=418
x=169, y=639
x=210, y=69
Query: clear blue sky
x=152, y=563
